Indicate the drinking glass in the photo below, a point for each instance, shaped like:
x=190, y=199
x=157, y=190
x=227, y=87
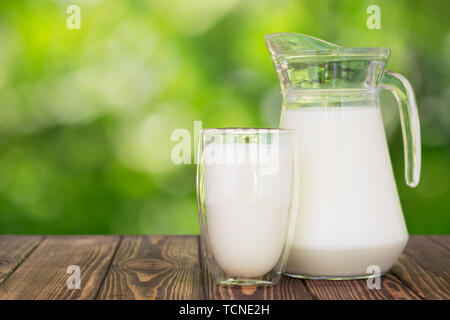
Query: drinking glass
x=247, y=185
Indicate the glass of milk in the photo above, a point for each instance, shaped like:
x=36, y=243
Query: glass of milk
x=246, y=190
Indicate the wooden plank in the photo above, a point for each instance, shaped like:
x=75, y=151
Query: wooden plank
x=424, y=266
x=444, y=241
x=154, y=267
x=287, y=289
x=13, y=251
x=167, y=267
x=391, y=288
x=43, y=275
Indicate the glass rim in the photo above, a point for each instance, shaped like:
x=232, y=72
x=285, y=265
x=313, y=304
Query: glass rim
x=247, y=130
x=342, y=52
x=332, y=51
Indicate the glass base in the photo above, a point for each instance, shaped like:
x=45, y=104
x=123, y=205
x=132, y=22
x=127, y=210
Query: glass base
x=365, y=276
x=245, y=282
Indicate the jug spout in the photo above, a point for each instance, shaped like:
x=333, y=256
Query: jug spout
x=291, y=44
x=305, y=62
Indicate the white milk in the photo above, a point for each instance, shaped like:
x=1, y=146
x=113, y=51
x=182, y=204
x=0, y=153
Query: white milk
x=247, y=208
x=349, y=213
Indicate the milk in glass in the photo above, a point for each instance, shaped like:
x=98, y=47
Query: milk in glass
x=247, y=200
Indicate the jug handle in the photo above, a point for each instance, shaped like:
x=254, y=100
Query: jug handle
x=403, y=92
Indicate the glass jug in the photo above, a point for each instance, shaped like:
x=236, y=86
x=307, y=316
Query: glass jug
x=350, y=222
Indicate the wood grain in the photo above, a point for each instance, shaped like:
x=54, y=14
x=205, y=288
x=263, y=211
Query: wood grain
x=391, y=288
x=424, y=266
x=154, y=267
x=13, y=250
x=444, y=241
x=170, y=267
x=287, y=289
x=43, y=274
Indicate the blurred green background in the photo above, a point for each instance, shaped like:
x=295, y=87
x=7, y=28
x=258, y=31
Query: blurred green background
x=86, y=115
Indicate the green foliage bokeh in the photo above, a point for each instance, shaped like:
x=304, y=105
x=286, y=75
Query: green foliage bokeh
x=86, y=115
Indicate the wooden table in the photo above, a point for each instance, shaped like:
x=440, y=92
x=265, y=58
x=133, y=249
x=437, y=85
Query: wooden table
x=170, y=267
